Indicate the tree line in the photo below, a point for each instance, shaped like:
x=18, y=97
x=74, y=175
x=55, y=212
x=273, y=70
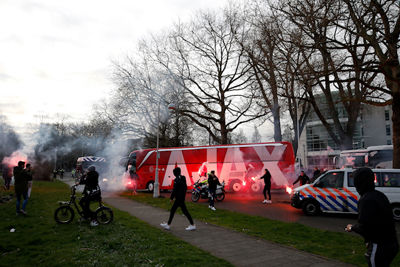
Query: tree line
x=262, y=60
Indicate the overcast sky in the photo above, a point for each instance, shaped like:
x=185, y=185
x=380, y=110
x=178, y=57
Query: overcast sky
x=55, y=55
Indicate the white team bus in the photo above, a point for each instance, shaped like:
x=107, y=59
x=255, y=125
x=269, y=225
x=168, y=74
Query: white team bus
x=372, y=157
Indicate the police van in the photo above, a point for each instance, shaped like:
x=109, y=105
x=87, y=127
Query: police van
x=334, y=192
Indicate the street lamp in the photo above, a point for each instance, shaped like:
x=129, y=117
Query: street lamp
x=156, y=190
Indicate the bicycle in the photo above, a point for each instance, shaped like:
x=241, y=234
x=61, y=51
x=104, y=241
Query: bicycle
x=65, y=213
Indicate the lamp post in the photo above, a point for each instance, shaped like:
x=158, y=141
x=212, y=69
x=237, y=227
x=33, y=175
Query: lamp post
x=156, y=190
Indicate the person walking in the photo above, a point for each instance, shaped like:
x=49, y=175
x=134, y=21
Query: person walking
x=303, y=179
x=21, y=187
x=212, y=187
x=179, y=194
x=29, y=173
x=267, y=186
x=375, y=220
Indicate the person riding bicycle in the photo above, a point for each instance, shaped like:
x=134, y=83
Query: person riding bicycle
x=90, y=192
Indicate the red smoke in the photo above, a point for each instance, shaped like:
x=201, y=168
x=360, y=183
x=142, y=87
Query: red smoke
x=16, y=156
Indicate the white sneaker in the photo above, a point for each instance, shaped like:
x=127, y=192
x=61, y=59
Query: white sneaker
x=264, y=201
x=165, y=225
x=269, y=201
x=209, y=206
x=212, y=208
x=191, y=228
x=94, y=223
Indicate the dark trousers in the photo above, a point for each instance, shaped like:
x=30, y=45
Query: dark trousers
x=212, y=197
x=267, y=187
x=381, y=255
x=19, y=196
x=85, y=204
x=181, y=204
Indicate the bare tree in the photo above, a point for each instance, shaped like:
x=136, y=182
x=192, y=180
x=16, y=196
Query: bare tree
x=377, y=23
x=212, y=68
x=275, y=62
x=333, y=65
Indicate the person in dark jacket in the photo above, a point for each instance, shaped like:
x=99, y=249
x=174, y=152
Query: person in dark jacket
x=316, y=174
x=375, y=220
x=7, y=174
x=179, y=194
x=212, y=187
x=21, y=187
x=303, y=179
x=90, y=192
x=267, y=186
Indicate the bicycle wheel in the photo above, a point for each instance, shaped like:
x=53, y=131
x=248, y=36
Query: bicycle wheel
x=104, y=215
x=64, y=214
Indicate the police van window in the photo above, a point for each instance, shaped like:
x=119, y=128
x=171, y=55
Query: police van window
x=331, y=180
x=389, y=179
x=350, y=179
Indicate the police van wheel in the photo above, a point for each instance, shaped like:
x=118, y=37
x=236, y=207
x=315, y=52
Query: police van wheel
x=311, y=207
x=150, y=186
x=396, y=212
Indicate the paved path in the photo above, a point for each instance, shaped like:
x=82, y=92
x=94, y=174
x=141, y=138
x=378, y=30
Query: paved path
x=237, y=248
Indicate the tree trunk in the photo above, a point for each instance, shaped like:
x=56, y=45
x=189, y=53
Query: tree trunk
x=277, y=123
x=396, y=129
x=392, y=77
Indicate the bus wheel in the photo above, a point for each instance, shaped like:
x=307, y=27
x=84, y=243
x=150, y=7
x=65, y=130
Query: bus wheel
x=311, y=207
x=236, y=185
x=255, y=187
x=150, y=186
x=396, y=212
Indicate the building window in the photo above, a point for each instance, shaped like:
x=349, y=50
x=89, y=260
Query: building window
x=388, y=129
x=389, y=142
x=387, y=117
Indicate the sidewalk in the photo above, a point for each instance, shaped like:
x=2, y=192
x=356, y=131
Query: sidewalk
x=237, y=248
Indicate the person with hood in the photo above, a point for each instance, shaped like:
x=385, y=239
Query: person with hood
x=90, y=192
x=267, y=186
x=21, y=187
x=375, y=220
x=179, y=194
x=303, y=178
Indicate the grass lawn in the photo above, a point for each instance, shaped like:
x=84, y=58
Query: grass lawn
x=340, y=246
x=39, y=241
